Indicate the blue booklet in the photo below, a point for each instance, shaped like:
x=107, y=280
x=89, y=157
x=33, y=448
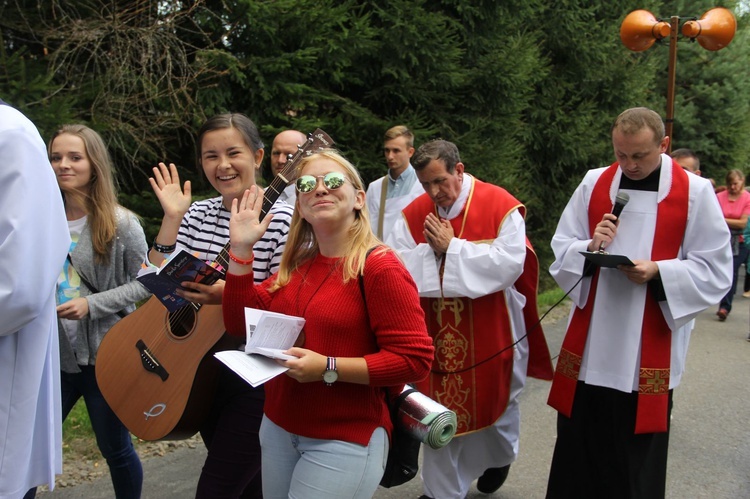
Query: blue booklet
x=182, y=266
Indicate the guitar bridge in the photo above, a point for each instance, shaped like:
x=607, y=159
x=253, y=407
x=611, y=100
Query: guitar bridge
x=150, y=362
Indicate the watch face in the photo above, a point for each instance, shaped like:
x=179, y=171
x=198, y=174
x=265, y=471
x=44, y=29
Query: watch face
x=330, y=376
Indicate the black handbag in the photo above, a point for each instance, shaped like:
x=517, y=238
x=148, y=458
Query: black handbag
x=403, y=454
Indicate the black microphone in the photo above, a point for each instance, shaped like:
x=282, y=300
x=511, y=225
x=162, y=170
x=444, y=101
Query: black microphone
x=621, y=200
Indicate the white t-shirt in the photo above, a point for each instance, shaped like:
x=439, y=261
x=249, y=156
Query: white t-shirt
x=69, y=283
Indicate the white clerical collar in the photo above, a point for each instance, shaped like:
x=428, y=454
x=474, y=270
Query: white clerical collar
x=455, y=209
x=665, y=180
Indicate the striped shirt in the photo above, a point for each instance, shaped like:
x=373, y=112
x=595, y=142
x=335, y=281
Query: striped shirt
x=205, y=230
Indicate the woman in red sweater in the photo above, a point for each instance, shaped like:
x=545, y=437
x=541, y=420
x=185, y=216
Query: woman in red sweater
x=326, y=424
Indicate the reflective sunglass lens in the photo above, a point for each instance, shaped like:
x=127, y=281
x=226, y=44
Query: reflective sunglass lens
x=333, y=180
x=306, y=183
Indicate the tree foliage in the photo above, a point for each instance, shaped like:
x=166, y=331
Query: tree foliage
x=712, y=94
x=528, y=90
x=129, y=69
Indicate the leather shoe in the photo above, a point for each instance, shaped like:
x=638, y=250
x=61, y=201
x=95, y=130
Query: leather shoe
x=722, y=313
x=492, y=479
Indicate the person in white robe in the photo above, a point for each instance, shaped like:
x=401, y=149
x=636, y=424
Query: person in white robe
x=448, y=473
x=387, y=196
x=34, y=240
x=695, y=279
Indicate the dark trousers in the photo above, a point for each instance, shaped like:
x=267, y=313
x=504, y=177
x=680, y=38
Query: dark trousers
x=737, y=261
x=232, y=467
x=597, y=453
x=746, y=287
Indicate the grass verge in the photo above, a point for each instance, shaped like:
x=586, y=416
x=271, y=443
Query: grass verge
x=546, y=300
x=78, y=437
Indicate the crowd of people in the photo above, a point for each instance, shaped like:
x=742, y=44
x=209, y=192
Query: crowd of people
x=425, y=277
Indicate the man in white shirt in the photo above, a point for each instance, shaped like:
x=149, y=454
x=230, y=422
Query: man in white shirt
x=626, y=343
x=34, y=240
x=388, y=195
x=285, y=144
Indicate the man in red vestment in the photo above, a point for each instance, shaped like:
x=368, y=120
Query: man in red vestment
x=464, y=242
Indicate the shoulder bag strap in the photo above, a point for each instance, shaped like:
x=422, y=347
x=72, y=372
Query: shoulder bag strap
x=91, y=287
x=381, y=209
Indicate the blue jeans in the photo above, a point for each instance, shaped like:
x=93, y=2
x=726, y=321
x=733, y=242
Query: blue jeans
x=299, y=467
x=737, y=261
x=112, y=437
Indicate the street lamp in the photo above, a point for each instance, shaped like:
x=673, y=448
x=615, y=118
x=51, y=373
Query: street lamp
x=713, y=31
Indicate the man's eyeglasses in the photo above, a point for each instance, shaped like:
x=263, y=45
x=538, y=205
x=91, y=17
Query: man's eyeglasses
x=307, y=183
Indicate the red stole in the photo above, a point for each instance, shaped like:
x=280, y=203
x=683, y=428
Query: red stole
x=656, y=337
x=466, y=332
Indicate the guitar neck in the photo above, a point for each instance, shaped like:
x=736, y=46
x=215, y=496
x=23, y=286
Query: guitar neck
x=269, y=198
x=273, y=192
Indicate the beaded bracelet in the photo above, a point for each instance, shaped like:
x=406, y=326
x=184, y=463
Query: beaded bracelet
x=160, y=248
x=234, y=258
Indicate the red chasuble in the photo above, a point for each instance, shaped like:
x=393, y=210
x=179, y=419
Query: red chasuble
x=656, y=337
x=468, y=376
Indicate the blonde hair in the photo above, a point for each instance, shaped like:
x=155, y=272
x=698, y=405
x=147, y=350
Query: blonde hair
x=101, y=202
x=400, y=131
x=301, y=244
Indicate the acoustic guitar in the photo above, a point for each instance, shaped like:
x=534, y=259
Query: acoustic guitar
x=155, y=368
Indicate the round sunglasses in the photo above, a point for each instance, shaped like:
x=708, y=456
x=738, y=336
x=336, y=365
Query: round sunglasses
x=307, y=183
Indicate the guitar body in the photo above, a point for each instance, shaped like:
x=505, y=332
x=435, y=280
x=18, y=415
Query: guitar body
x=154, y=370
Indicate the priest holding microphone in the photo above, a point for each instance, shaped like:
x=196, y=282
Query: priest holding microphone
x=626, y=343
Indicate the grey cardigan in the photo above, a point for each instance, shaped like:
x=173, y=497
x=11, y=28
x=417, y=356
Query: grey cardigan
x=117, y=285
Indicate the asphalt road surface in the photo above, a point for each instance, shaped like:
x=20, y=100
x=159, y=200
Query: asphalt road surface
x=709, y=445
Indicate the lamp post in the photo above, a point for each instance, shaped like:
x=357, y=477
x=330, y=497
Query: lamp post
x=713, y=31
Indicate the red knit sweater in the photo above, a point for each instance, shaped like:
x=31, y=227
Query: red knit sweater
x=394, y=342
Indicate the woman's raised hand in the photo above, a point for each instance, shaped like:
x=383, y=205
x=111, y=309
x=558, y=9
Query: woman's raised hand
x=245, y=226
x=175, y=200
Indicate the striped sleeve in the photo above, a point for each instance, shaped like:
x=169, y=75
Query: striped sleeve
x=267, y=252
x=205, y=231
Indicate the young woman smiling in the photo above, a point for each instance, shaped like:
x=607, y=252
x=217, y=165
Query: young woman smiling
x=97, y=282
x=229, y=151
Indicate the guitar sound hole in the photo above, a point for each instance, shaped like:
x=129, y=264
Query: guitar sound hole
x=182, y=322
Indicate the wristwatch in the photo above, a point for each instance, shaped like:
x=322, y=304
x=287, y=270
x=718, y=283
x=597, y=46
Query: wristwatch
x=330, y=375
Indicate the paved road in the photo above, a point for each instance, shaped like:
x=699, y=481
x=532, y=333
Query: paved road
x=710, y=439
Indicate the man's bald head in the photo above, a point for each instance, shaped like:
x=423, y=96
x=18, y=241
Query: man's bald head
x=285, y=144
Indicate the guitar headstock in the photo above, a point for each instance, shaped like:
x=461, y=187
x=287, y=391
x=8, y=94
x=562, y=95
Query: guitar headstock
x=316, y=141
